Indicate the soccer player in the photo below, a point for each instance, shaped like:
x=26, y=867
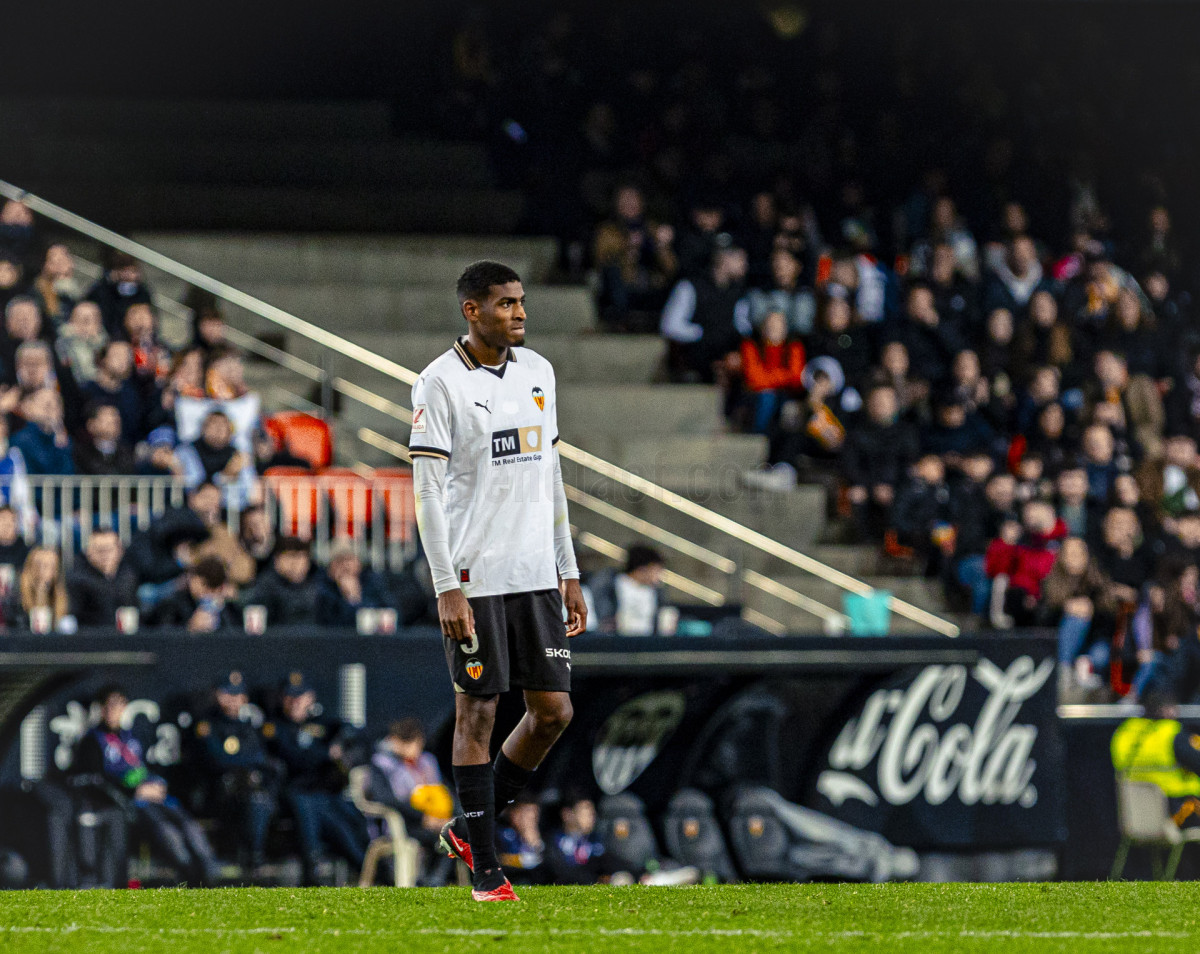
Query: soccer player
x=492, y=515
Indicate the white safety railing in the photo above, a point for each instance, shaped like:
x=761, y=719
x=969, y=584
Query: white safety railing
x=364, y=356
x=373, y=514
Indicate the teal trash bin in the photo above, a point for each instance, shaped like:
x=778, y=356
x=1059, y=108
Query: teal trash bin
x=870, y=613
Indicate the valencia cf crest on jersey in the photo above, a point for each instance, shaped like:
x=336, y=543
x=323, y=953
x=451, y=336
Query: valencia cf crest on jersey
x=474, y=668
x=539, y=398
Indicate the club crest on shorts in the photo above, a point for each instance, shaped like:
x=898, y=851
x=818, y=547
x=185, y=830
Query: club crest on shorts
x=539, y=398
x=474, y=669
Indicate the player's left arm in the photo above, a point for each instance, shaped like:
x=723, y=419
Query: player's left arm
x=564, y=557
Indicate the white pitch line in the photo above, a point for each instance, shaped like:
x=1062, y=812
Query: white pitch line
x=608, y=932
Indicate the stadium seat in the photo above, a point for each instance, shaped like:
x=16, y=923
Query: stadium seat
x=304, y=435
x=776, y=840
x=296, y=492
x=693, y=835
x=625, y=832
x=404, y=851
x=350, y=499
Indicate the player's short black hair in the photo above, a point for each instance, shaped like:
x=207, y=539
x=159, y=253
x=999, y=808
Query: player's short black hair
x=640, y=555
x=479, y=277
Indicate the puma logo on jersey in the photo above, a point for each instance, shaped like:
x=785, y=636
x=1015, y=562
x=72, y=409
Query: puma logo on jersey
x=484, y=405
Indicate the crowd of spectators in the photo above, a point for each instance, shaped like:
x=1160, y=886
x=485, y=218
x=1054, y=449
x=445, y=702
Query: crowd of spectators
x=1017, y=420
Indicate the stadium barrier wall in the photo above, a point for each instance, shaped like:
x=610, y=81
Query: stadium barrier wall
x=953, y=750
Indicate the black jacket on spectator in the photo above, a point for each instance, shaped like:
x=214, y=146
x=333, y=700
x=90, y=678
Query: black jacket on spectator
x=918, y=509
x=152, y=553
x=95, y=598
x=976, y=521
x=974, y=435
x=180, y=607
x=213, y=459
x=287, y=603
x=930, y=350
x=852, y=349
x=1133, y=570
x=14, y=553
x=879, y=455
x=113, y=305
x=333, y=609
x=90, y=460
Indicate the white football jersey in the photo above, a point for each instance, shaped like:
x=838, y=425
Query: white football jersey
x=497, y=430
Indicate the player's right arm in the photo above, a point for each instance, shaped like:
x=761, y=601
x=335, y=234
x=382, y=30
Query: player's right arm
x=430, y=446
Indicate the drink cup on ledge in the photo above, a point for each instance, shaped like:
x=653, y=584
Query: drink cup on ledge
x=367, y=621
x=254, y=620
x=127, y=620
x=387, y=622
x=41, y=620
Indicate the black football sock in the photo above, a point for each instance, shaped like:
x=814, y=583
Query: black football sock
x=511, y=780
x=476, y=794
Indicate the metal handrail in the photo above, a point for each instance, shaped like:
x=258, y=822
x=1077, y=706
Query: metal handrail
x=392, y=369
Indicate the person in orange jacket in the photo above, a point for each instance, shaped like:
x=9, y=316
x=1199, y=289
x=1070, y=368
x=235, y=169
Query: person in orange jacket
x=772, y=365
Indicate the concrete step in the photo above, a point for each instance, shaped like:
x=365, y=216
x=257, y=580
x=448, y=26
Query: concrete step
x=795, y=519
x=282, y=208
x=422, y=309
x=141, y=160
x=581, y=358
x=238, y=257
x=591, y=412
x=244, y=119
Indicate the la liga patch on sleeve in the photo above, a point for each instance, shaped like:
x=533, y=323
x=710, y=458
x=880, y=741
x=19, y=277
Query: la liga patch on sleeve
x=418, y=424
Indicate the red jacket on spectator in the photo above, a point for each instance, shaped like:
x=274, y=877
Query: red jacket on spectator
x=770, y=367
x=1026, y=563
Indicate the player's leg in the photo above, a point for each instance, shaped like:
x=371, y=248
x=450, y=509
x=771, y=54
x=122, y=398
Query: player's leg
x=480, y=669
x=541, y=665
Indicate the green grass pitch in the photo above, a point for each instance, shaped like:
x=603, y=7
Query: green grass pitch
x=1124, y=917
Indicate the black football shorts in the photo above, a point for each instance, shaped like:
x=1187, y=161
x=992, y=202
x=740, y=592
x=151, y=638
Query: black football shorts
x=520, y=642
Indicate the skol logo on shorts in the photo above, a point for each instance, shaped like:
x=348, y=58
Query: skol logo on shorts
x=516, y=440
x=539, y=398
x=474, y=668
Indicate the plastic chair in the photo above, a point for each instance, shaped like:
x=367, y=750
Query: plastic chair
x=404, y=851
x=296, y=490
x=302, y=434
x=1144, y=818
x=350, y=500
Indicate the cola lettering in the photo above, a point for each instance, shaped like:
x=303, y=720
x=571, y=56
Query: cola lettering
x=919, y=750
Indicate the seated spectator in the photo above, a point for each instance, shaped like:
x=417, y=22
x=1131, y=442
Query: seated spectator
x=112, y=751
x=978, y=522
x=54, y=288
x=13, y=548
x=14, y=477
x=41, y=587
x=114, y=385
x=635, y=261
x=699, y=319
x=312, y=750
x=997, y=351
x=1074, y=594
x=627, y=603
x=1043, y=340
x=1032, y=483
x=931, y=343
x=956, y=432
x=1127, y=404
x=519, y=844
x=785, y=295
x=268, y=453
x=948, y=230
x=1013, y=281
x=955, y=295
x=1050, y=439
x=1171, y=485
x=11, y=275
x=1081, y=516
x=895, y=372
x=98, y=585
x=575, y=855
x=805, y=428
x=35, y=367
x=772, y=368
x=212, y=459
x=256, y=536
x=1019, y=560
x=842, y=336
x=120, y=286
x=346, y=588
x=226, y=390
x=1123, y=554
x=922, y=515
x=202, y=604
x=289, y=587
x=1099, y=461
x=151, y=360
x=205, y=502
x=208, y=325
x=80, y=339
x=102, y=452
x=1044, y=388
x=1131, y=331
x=43, y=442
x=406, y=777
x=877, y=456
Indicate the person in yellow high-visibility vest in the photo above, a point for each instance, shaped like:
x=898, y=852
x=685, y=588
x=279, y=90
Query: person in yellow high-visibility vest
x=1157, y=748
